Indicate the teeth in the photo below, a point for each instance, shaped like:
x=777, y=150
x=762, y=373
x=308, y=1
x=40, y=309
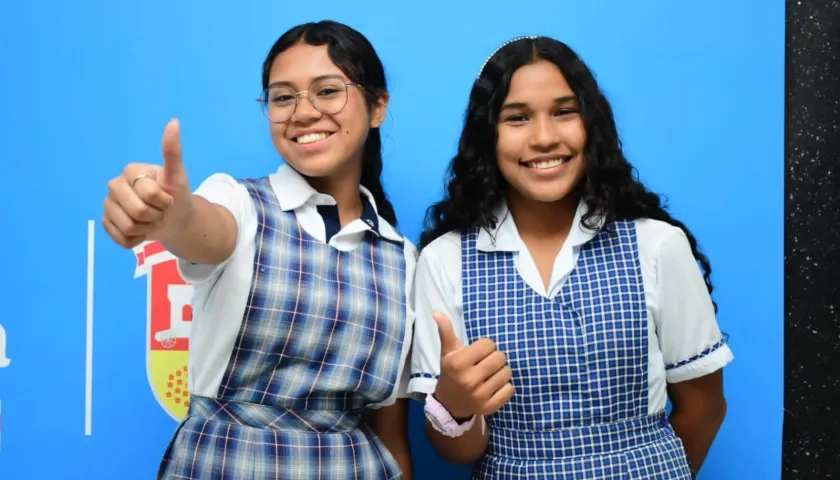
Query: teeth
x=312, y=137
x=546, y=163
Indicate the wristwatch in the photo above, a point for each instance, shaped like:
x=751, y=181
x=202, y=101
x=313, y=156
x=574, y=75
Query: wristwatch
x=442, y=420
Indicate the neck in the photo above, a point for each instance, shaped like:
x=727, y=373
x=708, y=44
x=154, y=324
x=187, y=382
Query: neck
x=540, y=219
x=343, y=187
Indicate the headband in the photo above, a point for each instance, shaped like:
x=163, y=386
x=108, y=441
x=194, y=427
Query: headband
x=530, y=37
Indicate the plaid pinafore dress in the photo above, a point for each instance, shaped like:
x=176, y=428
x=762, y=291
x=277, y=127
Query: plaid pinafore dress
x=321, y=339
x=580, y=367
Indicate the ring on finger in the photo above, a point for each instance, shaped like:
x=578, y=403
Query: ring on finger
x=138, y=177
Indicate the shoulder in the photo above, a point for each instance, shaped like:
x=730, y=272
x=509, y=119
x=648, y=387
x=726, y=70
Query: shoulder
x=410, y=253
x=410, y=249
x=226, y=185
x=442, y=249
x=219, y=181
x=229, y=192
x=666, y=256
x=391, y=234
x=395, y=242
x=440, y=261
x=656, y=239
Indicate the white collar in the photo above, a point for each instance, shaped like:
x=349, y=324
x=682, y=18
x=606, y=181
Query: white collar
x=505, y=237
x=293, y=191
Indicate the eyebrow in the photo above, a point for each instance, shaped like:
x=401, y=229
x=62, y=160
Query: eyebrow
x=558, y=100
x=285, y=83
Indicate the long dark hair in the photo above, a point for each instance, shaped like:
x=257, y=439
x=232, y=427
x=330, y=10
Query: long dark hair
x=475, y=187
x=355, y=56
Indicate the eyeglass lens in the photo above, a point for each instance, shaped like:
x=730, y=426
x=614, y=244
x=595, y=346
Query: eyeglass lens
x=328, y=96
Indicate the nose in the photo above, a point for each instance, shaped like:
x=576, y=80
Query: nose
x=305, y=111
x=546, y=134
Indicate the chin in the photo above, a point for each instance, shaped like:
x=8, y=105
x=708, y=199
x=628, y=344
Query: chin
x=546, y=198
x=546, y=195
x=315, y=167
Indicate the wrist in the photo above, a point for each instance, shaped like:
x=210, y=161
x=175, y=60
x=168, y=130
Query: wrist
x=190, y=212
x=443, y=421
x=174, y=232
x=460, y=418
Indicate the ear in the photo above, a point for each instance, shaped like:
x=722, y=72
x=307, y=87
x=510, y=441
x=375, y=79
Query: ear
x=380, y=109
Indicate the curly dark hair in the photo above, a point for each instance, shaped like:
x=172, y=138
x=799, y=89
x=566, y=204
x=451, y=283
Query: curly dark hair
x=474, y=185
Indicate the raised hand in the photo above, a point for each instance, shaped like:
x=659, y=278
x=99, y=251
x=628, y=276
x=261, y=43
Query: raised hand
x=474, y=380
x=149, y=201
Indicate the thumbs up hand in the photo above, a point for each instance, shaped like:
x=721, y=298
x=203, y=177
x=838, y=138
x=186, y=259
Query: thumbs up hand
x=474, y=380
x=150, y=202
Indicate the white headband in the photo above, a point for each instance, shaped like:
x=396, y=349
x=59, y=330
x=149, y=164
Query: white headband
x=501, y=47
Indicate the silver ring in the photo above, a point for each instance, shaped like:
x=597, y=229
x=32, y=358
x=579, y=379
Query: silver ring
x=138, y=177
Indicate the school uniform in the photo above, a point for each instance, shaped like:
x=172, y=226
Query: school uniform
x=305, y=326
x=626, y=313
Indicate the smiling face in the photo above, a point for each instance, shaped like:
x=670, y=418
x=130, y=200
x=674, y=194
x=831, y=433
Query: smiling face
x=541, y=136
x=318, y=144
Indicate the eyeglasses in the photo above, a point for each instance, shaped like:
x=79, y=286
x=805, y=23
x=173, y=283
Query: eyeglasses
x=328, y=96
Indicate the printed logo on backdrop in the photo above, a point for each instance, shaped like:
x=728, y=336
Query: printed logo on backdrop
x=168, y=322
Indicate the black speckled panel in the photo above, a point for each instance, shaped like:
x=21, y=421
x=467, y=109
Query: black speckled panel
x=811, y=440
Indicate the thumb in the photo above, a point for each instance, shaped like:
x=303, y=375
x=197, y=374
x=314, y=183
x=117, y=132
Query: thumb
x=448, y=340
x=173, y=160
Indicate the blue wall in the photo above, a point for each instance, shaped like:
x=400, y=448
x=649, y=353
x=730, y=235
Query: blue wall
x=89, y=86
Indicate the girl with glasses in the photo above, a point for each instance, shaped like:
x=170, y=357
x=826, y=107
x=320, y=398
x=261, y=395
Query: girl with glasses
x=302, y=320
x=559, y=305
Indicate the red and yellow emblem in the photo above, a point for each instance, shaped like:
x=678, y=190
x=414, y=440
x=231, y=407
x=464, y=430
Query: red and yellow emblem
x=168, y=320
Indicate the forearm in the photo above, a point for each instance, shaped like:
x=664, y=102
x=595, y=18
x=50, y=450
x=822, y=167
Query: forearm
x=398, y=444
x=390, y=424
x=466, y=449
x=697, y=428
x=208, y=236
x=404, y=461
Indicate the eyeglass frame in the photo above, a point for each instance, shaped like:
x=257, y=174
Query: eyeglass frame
x=263, y=99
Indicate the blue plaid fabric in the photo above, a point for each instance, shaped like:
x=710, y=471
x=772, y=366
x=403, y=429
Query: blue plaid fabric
x=580, y=367
x=321, y=340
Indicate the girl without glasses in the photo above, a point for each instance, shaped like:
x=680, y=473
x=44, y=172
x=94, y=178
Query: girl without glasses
x=556, y=299
x=302, y=321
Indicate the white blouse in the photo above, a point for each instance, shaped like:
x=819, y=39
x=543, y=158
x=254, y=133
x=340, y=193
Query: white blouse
x=683, y=330
x=221, y=291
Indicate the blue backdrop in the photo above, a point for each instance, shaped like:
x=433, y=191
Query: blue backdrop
x=89, y=86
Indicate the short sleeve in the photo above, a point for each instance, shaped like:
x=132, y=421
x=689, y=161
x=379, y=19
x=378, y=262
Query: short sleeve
x=405, y=376
x=411, y=317
x=691, y=341
x=404, y=372
x=437, y=288
x=223, y=190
